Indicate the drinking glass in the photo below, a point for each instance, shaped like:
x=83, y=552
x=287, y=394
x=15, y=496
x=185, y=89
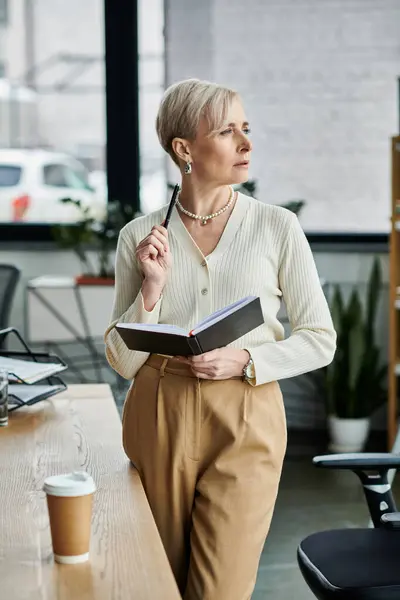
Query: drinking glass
x=3, y=398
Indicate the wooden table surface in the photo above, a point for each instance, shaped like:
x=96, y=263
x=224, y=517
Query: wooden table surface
x=78, y=429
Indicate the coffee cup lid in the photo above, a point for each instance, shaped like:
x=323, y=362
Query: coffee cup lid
x=78, y=483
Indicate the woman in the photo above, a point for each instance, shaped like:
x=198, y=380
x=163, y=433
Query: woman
x=208, y=433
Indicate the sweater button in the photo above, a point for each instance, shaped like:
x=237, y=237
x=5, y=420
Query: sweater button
x=204, y=263
x=204, y=291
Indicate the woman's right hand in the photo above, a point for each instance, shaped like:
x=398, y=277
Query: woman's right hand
x=154, y=256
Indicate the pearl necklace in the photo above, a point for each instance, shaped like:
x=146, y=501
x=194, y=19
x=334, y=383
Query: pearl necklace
x=204, y=220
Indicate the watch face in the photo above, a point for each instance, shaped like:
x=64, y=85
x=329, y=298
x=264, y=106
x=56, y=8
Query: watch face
x=249, y=371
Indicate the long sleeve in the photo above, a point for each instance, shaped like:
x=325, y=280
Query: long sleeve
x=128, y=307
x=264, y=252
x=312, y=342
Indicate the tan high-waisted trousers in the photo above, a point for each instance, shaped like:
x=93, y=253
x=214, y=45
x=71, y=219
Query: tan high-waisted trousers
x=210, y=455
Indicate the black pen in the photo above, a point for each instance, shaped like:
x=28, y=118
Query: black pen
x=171, y=205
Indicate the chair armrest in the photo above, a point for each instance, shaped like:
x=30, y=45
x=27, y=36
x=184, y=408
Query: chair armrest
x=391, y=521
x=358, y=461
x=372, y=469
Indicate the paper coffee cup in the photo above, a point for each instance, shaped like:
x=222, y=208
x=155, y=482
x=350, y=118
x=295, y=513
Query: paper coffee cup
x=69, y=501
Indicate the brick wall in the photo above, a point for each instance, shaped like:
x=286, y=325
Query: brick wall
x=319, y=81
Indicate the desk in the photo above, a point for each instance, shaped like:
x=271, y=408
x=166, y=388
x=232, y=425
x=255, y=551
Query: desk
x=79, y=429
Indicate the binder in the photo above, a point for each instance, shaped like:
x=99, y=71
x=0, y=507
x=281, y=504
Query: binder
x=218, y=330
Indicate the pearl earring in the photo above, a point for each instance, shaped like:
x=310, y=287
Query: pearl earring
x=188, y=168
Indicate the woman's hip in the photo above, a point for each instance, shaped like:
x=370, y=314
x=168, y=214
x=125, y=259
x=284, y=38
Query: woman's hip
x=169, y=407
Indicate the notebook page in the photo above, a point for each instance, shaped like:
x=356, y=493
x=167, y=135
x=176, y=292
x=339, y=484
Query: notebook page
x=154, y=327
x=27, y=370
x=221, y=314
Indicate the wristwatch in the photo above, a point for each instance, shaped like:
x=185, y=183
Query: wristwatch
x=249, y=371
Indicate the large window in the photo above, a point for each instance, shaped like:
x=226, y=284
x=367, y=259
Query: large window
x=52, y=109
x=151, y=82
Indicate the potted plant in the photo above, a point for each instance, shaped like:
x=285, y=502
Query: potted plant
x=353, y=385
x=100, y=237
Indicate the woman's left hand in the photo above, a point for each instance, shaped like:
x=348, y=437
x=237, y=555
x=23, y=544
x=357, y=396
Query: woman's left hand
x=222, y=363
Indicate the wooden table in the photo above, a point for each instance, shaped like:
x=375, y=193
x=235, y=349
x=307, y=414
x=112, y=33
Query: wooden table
x=79, y=429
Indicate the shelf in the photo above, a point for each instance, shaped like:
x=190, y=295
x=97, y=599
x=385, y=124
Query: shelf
x=394, y=294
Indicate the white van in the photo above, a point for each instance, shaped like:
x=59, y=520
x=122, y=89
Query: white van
x=32, y=182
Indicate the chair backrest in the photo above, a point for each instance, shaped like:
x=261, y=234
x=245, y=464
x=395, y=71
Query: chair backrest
x=9, y=277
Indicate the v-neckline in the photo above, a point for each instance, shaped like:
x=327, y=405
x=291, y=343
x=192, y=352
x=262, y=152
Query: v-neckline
x=184, y=237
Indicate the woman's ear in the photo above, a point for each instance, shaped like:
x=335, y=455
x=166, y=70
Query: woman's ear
x=181, y=149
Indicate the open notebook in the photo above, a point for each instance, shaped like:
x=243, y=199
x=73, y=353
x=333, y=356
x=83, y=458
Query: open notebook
x=217, y=330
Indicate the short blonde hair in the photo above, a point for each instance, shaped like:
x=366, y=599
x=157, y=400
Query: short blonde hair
x=183, y=105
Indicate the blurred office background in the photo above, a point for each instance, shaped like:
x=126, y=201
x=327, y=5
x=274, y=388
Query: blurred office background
x=319, y=79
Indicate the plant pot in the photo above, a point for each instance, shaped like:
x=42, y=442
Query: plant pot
x=93, y=280
x=347, y=435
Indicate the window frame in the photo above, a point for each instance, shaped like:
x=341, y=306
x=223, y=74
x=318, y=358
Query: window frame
x=4, y=12
x=43, y=174
x=349, y=242
x=86, y=187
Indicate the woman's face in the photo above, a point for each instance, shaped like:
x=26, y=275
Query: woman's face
x=224, y=157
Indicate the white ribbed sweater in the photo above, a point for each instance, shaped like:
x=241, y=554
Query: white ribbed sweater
x=263, y=252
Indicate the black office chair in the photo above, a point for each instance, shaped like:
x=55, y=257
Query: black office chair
x=357, y=564
x=9, y=278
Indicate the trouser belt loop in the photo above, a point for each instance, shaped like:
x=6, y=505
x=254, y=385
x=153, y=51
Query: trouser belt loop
x=162, y=368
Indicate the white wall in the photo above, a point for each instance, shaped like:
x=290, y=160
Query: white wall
x=319, y=81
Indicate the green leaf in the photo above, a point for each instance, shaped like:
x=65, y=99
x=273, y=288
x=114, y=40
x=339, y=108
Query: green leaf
x=354, y=311
x=356, y=354
x=337, y=309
